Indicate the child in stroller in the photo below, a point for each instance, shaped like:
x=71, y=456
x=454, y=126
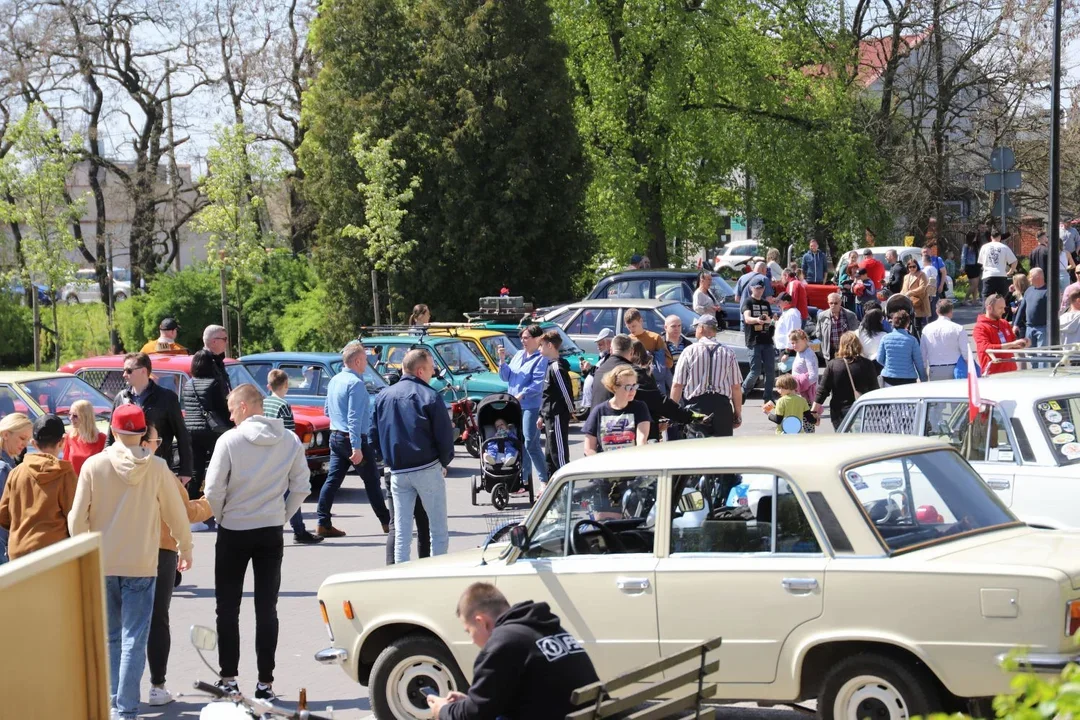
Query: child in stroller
x=501, y=449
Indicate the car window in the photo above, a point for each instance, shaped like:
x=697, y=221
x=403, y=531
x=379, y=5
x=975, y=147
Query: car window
x=57, y=395
x=948, y=420
x=561, y=318
x=260, y=371
x=628, y=289
x=593, y=320
x=10, y=402
x=736, y=514
x=492, y=343
x=393, y=355
x=598, y=516
x=896, y=418
x=926, y=497
x=239, y=375
x=720, y=287
x=685, y=314
x=1058, y=418
x=568, y=347
x=108, y=381
x=675, y=290
x=304, y=379
x=459, y=358
x=169, y=381
x=652, y=321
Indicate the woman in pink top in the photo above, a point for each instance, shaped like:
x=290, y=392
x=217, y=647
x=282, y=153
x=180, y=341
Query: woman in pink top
x=83, y=439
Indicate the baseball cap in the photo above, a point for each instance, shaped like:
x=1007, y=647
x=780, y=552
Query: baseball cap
x=704, y=320
x=635, y=259
x=48, y=430
x=756, y=282
x=605, y=334
x=867, y=252
x=128, y=419
x=169, y=324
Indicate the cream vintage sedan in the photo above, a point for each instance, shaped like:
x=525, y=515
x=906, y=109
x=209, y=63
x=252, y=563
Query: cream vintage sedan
x=875, y=573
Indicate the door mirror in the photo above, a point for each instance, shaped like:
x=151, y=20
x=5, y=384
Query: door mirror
x=203, y=638
x=691, y=502
x=391, y=377
x=519, y=537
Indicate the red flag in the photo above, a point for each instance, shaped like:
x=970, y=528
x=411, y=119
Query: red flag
x=974, y=398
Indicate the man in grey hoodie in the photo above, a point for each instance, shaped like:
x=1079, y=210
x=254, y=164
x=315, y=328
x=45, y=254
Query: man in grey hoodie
x=252, y=468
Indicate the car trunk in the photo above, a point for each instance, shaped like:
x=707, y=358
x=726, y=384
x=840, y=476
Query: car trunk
x=1026, y=547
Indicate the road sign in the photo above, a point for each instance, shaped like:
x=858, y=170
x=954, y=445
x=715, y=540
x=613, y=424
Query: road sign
x=1010, y=180
x=1004, y=201
x=1002, y=159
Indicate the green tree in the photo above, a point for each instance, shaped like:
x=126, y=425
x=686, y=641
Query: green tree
x=33, y=176
x=476, y=100
x=232, y=216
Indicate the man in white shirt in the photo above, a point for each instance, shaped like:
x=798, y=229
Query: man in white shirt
x=790, y=319
x=1070, y=320
x=943, y=342
x=998, y=262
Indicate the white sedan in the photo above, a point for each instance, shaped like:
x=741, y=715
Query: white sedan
x=877, y=574
x=1024, y=443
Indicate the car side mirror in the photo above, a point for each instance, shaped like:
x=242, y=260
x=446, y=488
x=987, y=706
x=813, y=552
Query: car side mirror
x=519, y=537
x=392, y=377
x=691, y=502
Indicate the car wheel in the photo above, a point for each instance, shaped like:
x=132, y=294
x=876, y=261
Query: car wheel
x=403, y=669
x=500, y=496
x=119, y=297
x=72, y=299
x=869, y=685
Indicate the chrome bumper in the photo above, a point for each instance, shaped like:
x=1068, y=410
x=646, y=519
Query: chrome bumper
x=1041, y=662
x=332, y=656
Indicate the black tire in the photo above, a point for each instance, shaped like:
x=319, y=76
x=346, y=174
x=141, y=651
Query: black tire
x=500, y=496
x=72, y=299
x=472, y=486
x=410, y=646
x=915, y=685
x=472, y=444
x=119, y=297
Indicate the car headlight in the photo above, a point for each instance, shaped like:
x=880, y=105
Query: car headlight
x=320, y=438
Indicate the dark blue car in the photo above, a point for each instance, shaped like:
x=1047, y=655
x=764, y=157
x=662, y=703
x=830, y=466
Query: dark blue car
x=667, y=284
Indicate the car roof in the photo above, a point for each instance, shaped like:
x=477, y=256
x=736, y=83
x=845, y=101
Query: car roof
x=297, y=356
x=409, y=339
x=181, y=363
x=464, y=332
x=19, y=376
x=639, y=303
x=813, y=460
x=650, y=272
x=1013, y=385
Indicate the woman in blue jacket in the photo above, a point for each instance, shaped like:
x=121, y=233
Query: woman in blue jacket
x=524, y=373
x=899, y=355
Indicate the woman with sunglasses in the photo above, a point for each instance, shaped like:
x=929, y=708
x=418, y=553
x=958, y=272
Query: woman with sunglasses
x=661, y=408
x=916, y=288
x=82, y=439
x=620, y=422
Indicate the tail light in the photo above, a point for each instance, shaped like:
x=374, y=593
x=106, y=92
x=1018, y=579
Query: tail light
x=1072, y=617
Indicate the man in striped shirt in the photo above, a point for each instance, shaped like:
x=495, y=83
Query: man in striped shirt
x=274, y=406
x=707, y=377
x=557, y=405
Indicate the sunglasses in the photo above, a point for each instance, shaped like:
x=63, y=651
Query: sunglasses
x=629, y=388
x=128, y=371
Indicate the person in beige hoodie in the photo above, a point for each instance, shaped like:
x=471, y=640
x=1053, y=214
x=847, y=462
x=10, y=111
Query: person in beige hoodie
x=38, y=493
x=124, y=493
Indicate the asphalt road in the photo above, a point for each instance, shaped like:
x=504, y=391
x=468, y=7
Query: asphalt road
x=302, y=632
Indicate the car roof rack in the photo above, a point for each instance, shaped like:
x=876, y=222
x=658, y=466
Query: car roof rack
x=1061, y=358
x=502, y=308
x=370, y=330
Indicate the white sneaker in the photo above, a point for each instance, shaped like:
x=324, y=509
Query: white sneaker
x=159, y=696
x=199, y=527
x=114, y=714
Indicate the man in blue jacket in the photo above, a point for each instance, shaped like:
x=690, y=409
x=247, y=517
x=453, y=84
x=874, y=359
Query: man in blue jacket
x=414, y=435
x=815, y=264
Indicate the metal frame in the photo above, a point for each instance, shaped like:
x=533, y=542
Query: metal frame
x=1065, y=358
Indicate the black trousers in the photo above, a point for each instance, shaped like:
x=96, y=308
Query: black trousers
x=202, y=448
x=556, y=442
x=264, y=549
x=423, y=529
x=997, y=285
x=160, y=640
x=340, y=451
x=719, y=406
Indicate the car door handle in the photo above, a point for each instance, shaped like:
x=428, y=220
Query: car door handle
x=998, y=484
x=632, y=585
x=799, y=586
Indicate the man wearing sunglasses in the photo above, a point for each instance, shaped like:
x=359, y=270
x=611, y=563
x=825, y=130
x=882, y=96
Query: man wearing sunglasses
x=162, y=409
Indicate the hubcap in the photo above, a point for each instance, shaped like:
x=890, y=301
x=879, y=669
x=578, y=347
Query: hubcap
x=867, y=697
x=408, y=678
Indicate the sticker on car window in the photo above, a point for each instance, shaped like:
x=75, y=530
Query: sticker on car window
x=1071, y=450
x=1054, y=405
x=1053, y=429
x=1044, y=406
x=1063, y=438
x=856, y=480
x=1067, y=426
x=1052, y=416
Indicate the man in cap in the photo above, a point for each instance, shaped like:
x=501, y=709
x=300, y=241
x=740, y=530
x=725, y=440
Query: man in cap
x=707, y=376
x=758, y=330
x=875, y=270
x=635, y=262
x=166, y=343
x=39, y=493
x=125, y=493
x=588, y=370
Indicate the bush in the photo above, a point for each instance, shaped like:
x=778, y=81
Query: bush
x=304, y=326
x=16, y=321
x=84, y=331
x=285, y=280
x=192, y=296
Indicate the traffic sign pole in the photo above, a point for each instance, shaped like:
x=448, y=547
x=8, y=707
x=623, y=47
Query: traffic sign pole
x=1052, y=285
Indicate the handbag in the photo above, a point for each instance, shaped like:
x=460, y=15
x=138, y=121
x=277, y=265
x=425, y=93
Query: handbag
x=847, y=366
x=212, y=422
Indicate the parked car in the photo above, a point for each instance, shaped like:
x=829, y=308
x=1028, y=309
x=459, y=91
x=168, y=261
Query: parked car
x=172, y=371
x=459, y=372
x=38, y=393
x=818, y=592
x=309, y=374
x=85, y=288
x=583, y=320
x=668, y=284
x=738, y=252
x=17, y=291
x=1023, y=443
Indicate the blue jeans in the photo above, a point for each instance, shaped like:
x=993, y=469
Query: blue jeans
x=762, y=362
x=340, y=451
x=534, y=452
x=129, y=603
x=1039, y=338
x=430, y=486
x=3, y=548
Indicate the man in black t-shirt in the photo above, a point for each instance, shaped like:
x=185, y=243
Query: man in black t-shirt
x=1040, y=256
x=758, y=330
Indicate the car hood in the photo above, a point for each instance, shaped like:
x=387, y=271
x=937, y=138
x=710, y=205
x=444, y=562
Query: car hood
x=313, y=415
x=1022, y=547
x=486, y=382
x=462, y=561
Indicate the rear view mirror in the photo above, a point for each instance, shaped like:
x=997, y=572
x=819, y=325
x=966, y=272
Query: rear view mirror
x=519, y=537
x=203, y=638
x=691, y=502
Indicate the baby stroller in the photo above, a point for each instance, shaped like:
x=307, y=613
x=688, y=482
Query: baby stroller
x=499, y=419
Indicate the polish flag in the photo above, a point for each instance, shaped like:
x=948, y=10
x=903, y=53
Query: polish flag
x=974, y=398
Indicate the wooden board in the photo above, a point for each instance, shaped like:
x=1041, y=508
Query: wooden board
x=52, y=620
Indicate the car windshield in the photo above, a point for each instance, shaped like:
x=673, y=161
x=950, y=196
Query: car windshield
x=568, y=346
x=720, y=287
x=459, y=358
x=57, y=395
x=925, y=498
x=492, y=343
x=685, y=314
x=239, y=375
x=1058, y=418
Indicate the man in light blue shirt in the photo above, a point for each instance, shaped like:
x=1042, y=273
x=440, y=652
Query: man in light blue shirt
x=348, y=407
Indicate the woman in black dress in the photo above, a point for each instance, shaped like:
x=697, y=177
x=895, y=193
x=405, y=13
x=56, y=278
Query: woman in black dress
x=847, y=376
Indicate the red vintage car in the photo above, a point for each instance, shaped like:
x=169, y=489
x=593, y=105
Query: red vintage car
x=171, y=371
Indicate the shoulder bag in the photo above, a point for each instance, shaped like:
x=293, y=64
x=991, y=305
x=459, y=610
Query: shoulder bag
x=847, y=366
x=213, y=424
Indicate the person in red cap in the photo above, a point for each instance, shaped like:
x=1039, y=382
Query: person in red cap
x=121, y=494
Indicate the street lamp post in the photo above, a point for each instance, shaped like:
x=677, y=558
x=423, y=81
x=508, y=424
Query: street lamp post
x=1052, y=284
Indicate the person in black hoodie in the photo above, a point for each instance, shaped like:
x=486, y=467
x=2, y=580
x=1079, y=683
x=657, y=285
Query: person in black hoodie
x=528, y=664
x=557, y=406
x=660, y=405
x=620, y=355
